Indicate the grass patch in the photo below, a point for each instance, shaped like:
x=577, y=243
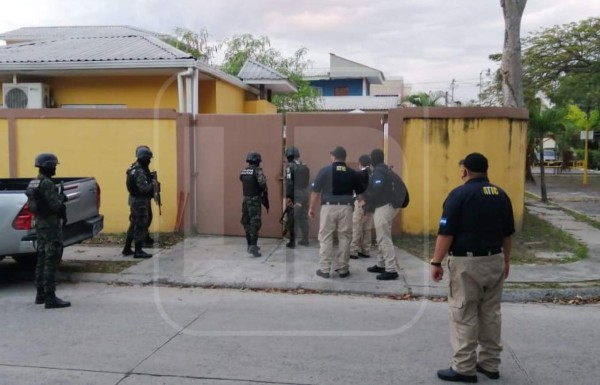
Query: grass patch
x=540, y=235
x=582, y=218
x=537, y=235
x=95, y=266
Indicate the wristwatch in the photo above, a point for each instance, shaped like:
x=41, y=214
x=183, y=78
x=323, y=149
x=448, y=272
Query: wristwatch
x=438, y=264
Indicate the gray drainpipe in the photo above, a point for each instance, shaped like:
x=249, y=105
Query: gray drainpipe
x=183, y=92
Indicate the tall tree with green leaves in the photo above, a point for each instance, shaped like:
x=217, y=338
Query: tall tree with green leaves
x=563, y=62
x=194, y=43
x=242, y=47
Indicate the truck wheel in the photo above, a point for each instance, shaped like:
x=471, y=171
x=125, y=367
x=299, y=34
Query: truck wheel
x=26, y=260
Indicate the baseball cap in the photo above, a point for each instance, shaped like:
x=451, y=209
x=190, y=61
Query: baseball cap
x=339, y=153
x=475, y=162
x=377, y=156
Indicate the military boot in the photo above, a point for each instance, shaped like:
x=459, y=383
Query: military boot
x=40, y=297
x=254, y=251
x=248, y=242
x=148, y=241
x=53, y=302
x=139, y=253
x=127, y=248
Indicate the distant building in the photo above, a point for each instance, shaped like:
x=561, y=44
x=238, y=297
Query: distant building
x=347, y=86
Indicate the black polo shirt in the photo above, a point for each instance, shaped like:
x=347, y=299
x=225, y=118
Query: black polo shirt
x=337, y=183
x=478, y=215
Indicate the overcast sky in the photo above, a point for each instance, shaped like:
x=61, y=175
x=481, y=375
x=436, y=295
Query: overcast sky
x=427, y=42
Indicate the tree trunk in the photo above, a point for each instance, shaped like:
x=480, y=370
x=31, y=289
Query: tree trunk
x=512, y=70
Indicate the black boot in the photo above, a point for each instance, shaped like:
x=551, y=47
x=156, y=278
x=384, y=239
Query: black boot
x=127, y=248
x=248, y=242
x=139, y=253
x=148, y=241
x=292, y=242
x=40, y=297
x=254, y=249
x=53, y=302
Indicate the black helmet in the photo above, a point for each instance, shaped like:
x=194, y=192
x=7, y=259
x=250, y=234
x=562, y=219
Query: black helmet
x=253, y=157
x=139, y=148
x=292, y=152
x=46, y=160
x=143, y=153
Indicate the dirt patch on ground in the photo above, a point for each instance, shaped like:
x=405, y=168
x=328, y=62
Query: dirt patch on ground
x=162, y=240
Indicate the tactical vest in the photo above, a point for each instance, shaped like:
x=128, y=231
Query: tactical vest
x=32, y=192
x=130, y=182
x=298, y=175
x=250, y=184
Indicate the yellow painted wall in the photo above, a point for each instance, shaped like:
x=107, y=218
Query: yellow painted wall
x=259, y=107
x=229, y=99
x=207, y=93
x=4, y=161
x=431, y=150
x=133, y=91
x=104, y=149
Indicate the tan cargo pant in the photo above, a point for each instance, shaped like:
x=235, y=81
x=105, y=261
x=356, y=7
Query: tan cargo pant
x=361, y=231
x=383, y=219
x=335, y=218
x=474, y=298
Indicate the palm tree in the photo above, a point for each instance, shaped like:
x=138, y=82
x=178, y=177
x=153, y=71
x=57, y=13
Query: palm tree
x=424, y=99
x=542, y=121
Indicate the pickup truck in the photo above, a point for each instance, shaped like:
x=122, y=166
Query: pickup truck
x=17, y=235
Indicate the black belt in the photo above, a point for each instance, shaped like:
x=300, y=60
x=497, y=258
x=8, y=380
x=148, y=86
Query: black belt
x=338, y=203
x=474, y=253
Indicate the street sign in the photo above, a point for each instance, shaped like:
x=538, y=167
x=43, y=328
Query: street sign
x=590, y=135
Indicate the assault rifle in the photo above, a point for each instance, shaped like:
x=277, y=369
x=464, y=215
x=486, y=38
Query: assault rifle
x=286, y=217
x=156, y=191
x=265, y=199
x=63, y=208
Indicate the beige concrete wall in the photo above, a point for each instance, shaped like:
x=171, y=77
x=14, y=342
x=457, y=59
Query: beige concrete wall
x=317, y=134
x=427, y=144
x=199, y=159
x=222, y=143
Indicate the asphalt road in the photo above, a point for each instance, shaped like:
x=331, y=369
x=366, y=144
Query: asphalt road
x=157, y=335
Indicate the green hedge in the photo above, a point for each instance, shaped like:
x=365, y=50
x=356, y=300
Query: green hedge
x=593, y=158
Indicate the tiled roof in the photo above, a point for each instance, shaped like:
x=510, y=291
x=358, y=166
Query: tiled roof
x=365, y=103
x=253, y=70
x=90, y=49
x=257, y=74
x=50, y=33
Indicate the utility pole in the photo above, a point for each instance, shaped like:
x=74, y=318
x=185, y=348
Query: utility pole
x=452, y=86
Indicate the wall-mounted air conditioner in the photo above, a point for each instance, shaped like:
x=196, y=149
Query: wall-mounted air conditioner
x=25, y=95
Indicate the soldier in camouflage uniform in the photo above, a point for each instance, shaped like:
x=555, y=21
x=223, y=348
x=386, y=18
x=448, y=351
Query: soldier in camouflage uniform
x=254, y=185
x=297, y=177
x=49, y=219
x=149, y=241
x=140, y=185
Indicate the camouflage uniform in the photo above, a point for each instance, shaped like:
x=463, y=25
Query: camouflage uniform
x=254, y=184
x=48, y=228
x=140, y=194
x=297, y=178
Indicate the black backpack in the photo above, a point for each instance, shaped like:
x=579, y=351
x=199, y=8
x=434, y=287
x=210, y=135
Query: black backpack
x=399, y=193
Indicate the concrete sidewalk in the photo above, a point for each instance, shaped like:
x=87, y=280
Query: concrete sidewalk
x=216, y=261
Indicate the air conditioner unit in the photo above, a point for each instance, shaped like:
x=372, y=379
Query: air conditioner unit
x=25, y=95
